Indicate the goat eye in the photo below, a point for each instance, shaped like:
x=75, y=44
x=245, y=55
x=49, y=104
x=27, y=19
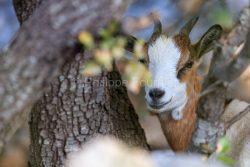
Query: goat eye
x=188, y=65
x=143, y=61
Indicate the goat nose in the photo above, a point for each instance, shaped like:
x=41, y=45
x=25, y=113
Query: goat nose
x=156, y=94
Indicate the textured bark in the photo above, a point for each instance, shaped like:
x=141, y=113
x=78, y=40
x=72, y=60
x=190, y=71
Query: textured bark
x=75, y=109
x=44, y=43
x=24, y=9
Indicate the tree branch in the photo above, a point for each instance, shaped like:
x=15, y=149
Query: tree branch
x=237, y=117
x=226, y=65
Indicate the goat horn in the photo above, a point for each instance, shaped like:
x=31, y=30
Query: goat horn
x=187, y=28
x=157, y=27
x=157, y=31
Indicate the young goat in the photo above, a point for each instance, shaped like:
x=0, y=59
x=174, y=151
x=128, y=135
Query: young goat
x=173, y=92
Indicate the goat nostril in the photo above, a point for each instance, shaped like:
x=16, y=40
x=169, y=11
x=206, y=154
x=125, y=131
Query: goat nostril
x=156, y=94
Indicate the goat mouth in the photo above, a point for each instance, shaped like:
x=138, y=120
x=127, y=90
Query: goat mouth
x=159, y=106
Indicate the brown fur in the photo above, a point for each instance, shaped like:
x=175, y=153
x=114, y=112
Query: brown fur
x=179, y=133
x=183, y=43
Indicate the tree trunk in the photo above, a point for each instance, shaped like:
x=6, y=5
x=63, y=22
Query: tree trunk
x=42, y=48
x=43, y=45
x=74, y=109
x=24, y=9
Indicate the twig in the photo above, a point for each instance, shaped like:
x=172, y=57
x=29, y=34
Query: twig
x=236, y=118
x=210, y=88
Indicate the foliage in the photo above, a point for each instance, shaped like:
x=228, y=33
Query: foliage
x=223, y=147
x=222, y=15
x=110, y=48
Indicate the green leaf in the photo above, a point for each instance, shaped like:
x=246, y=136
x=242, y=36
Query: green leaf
x=223, y=16
x=136, y=75
x=86, y=39
x=91, y=68
x=104, y=58
x=104, y=34
x=139, y=49
x=226, y=160
x=223, y=145
x=112, y=27
x=147, y=78
x=118, y=52
x=107, y=43
x=121, y=41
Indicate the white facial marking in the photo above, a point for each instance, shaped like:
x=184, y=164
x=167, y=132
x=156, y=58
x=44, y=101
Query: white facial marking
x=177, y=113
x=163, y=58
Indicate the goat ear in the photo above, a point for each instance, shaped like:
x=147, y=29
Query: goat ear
x=207, y=41
x=131, y=40
x=187, y=28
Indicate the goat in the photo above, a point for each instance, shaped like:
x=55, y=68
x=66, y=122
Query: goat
x=175, y=87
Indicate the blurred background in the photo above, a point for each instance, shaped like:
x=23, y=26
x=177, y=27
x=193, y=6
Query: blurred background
x=8, y=22
x=138, y=21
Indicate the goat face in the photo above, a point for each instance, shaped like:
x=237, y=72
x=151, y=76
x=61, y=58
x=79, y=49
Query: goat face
x=166, y=92
x=172, y=64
